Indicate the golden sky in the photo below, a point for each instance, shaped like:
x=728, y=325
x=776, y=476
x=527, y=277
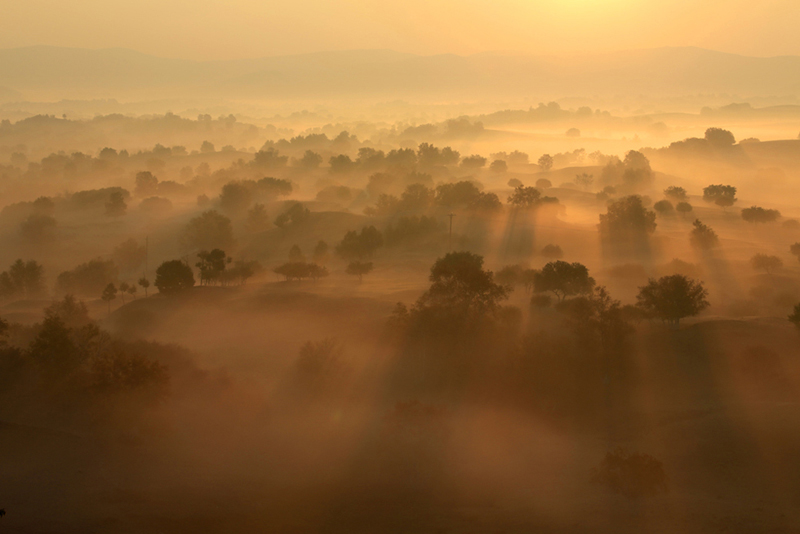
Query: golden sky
x=226, y=29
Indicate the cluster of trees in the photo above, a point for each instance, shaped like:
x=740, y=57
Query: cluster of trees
x=23, y=279
x=71, y=366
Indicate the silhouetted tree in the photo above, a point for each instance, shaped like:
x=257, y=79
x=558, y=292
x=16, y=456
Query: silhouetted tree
x=703, y=237
x=766, y=263
x=294, y=216
x=755, y=214
x=459, y=283
x=211, y=265
x=552, y=251
x=563, y=279
x=458, y=194
x=146, y=184
x=38, y=228
x=498, y=166
x=671, y=298
x=663, y=207
x=355, y=246
x=721, y=195
x=546, y=162
x=236, y=196
x=207, y=147
x=88, y=278
x=208, y=231
x=543, y=183
x=719, y=138
x=310, y=160
x=123, y=288
x=115, y=205
x=794, y=318
x=109, y=294
x=359, y=268
x=173, y=277
x=301, y=270
x=683, y=208
x=269, y=158
x=627, y=218
x=473, y=162
x=678, y=194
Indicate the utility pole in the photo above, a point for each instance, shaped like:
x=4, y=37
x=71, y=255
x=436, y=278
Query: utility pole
x=450, y=240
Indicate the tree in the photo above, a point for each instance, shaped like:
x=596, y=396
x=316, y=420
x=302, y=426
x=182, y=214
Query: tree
x=671, y=298
x=584, y=180
x=294, y=216
x=123, y=288
x=498, y=166
x=207, y=147
x=310, y=160
x=794, y=318
x=115, y=205
x=546, y=162
x=300, y=270
x=766, y=263
x=173, y=277
x=524, y=197
x=683, y=208
x=38, y=228
x=703, y=237
x=208, y=231
x=211, y=265
x=359, y=268
x=719, y=138
x=355, y=246
x=145, y=283
x=88, y=278
x=663, y=207
x=473, y=162
x=458, y=194
x=563, y=279
x=132, y=290
x=146, y=184
x=552, y=251
x=627, y=218
x=721, y=195
x=755, y=214
x=676, y=193
x=543, y=183
x=236, y=196
x=109, y=294
x=23, y=278
x=459, y=284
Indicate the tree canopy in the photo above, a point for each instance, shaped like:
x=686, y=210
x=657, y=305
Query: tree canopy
x=671, y=298
x=173, y=277
x=563, y=279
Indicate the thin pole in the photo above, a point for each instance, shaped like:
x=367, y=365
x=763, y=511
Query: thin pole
x=146, y=253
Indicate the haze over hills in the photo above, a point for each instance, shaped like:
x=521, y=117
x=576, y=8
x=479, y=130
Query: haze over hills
x=52, y=73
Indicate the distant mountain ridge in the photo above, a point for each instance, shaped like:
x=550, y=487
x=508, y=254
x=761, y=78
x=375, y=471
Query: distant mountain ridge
x=43, y=72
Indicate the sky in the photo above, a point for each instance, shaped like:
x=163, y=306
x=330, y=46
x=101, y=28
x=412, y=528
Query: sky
x=231, y=29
